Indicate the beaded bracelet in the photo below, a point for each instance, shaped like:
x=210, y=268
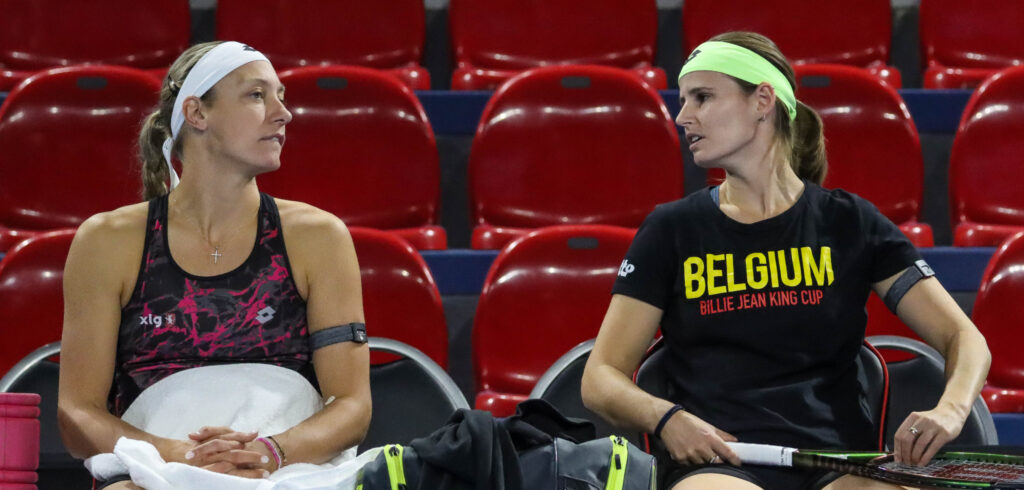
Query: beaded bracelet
x=664, y=419
x=272, y=447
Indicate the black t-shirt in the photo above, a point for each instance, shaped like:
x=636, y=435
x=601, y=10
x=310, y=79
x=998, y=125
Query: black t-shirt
x=764, y=321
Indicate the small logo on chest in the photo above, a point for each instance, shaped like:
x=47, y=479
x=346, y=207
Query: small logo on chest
x=157, y=320
x=265, y=315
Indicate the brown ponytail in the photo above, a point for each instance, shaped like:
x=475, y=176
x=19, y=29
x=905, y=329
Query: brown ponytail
x=809, y=160
x=156, y=127
x=803, y=136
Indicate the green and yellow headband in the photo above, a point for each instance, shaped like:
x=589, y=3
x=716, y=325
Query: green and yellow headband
x=743, y=64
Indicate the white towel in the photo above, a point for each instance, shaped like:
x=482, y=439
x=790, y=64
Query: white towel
x=246, y=397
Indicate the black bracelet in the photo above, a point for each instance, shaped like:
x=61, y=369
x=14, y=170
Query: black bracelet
x=279, y=451
x=664, y=419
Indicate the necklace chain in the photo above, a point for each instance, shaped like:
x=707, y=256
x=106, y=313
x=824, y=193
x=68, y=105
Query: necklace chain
x=216, y=254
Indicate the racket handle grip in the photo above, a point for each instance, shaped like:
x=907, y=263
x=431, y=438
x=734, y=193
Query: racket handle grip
x=763, y=454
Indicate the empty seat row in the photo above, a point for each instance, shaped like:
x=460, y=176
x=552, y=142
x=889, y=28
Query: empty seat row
x=962, y=43
x=360, y=146
x=556, y=145
x=68, y=139
x=492, y=40
x=544, y=293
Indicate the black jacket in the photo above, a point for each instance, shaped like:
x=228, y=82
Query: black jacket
x=475, y=451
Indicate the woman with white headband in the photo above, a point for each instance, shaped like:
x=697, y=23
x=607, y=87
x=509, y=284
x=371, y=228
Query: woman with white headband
x=759, y=286
x=199, y=276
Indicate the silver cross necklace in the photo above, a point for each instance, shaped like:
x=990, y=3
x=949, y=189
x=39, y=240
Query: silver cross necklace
x=216, y=255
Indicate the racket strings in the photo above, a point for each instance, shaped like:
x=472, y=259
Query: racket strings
x=963, y=470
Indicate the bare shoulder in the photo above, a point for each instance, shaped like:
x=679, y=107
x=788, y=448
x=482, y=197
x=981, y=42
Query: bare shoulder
x=114, y=231
x=307, y=224
x=107, y=250
x=319, y=245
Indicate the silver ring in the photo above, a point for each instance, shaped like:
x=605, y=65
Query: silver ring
x=713, y=459
x=915, y=431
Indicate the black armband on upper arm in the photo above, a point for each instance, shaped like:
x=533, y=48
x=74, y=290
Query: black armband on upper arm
x=910, y=276
x=350, y=332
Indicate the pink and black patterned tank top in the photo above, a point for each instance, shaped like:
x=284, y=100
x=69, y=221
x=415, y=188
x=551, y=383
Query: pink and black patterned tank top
x=176, y=321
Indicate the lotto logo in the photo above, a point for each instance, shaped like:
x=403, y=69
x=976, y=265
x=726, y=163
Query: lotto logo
x=626, y=268
x=265, y=315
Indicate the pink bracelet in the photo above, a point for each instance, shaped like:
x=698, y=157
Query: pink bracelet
x=273, y=450
x=280, y=450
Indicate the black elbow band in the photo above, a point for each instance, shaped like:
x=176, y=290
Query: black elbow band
x=350, y=332
x=914, y=273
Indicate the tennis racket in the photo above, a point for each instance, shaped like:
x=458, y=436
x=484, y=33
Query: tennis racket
x=946, y=469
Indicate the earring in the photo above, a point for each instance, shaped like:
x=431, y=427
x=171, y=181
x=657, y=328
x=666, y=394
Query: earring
x=761, y=119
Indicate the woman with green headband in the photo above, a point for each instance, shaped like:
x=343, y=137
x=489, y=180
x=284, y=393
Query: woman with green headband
x=759, y=287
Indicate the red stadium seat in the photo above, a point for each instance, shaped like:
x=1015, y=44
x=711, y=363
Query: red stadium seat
x=571, y=145
x=888, y=171
x=10, y=238
x=43, y=34
x=881, y=321
x=69, y=141
x=400, y=298
x=496, y=39
x=826, y=32
x=382, y=34
x=360, y=146
x=997, y=312
x=986, y=161
x=963, y=43
x=545, y=293
x=32, y=295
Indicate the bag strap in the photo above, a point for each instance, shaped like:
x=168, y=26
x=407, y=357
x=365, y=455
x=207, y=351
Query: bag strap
x=396, y=473
x=617, y=465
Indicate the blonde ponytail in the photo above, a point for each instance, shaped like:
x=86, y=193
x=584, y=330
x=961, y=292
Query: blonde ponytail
x=154, y=170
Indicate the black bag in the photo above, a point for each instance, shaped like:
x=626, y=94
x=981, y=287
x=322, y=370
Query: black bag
x=602, y=464
x=611, y=463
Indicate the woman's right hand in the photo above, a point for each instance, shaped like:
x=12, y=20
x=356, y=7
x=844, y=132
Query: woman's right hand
x=690, y=440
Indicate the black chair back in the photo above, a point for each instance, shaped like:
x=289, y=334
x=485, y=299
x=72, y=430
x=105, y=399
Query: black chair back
x=412, y=396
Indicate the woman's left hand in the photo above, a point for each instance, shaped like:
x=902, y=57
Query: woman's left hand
x=234, y=459
x=923, y=434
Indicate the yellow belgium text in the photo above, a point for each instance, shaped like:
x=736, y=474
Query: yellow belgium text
x=715, y=273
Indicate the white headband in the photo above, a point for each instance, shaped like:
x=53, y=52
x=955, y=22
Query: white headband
x=216, y=64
